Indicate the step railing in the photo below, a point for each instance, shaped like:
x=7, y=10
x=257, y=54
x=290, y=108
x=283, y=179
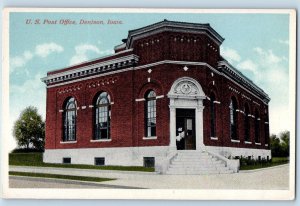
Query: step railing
x=234, y=165
x=165, y=164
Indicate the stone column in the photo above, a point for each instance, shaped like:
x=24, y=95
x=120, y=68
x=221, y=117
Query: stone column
x=199, y=126
x=172, y=127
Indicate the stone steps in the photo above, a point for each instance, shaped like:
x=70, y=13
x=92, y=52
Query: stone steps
x=195, y=162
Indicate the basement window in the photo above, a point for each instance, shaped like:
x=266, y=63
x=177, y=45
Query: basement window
x=149, y=162
x=99, y=161
x=67, y=160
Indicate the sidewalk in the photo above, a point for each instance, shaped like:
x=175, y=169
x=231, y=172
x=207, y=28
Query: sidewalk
x=269, y=178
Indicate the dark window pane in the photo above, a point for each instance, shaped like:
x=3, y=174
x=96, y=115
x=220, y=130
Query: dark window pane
x=212, y=116
x=233, y=118
x=70, y=120
x=150, y=114
x=66, y=160
x=99, y=161
x=149, y=162
x=102, y=116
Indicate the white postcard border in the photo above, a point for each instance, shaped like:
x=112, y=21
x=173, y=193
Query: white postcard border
x=174, y=194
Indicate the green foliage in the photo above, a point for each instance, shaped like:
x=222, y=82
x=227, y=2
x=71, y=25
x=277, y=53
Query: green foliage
x=36, y=160
x=29, y=130
x=26, y=159
x=280, y=146
x=58, y=176
x=285, y=144
x=250, y=163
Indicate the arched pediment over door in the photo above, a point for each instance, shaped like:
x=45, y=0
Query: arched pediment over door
x=186, y=88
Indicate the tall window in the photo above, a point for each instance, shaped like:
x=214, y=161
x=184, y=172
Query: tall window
x=233, y=118
x=70, y=120
x=247, y=124
x=267, y=135
x=212, y=115
x=257, y=132
x=150, y=114
x=102, y=117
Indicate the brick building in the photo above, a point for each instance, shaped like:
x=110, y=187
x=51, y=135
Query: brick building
x=165, y=93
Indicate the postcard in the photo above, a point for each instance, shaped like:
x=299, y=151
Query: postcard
x=184, y=104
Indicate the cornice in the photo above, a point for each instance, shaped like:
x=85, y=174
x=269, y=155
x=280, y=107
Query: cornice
x=92, y=69
x=186, y=63
x=232, y=72
x=173, y=26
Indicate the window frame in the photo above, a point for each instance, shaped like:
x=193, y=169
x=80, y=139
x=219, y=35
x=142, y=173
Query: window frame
x=267, y=130
x=257, y=127
x=102, y=111
x=212, y=115
x=69, y=132
x=247, y=123
x=150, y=114
x=233, y=119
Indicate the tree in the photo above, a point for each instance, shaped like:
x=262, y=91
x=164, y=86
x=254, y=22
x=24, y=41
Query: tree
x=275, y=146
x=29, y=129
x=280, y=146
x=285, y=143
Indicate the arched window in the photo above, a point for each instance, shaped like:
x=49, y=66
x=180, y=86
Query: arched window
x=247, y=123
x=102, y=116
x=70, y=120
x=212, y=115
x=257, y=132
x=150, y=114
x=233, y=118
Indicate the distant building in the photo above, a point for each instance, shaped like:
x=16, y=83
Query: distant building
x=166, y=90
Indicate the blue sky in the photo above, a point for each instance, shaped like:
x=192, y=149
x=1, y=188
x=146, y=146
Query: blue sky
x=257, y=44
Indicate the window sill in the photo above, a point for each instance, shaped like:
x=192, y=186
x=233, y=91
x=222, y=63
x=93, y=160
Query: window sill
x=246, y=142
x=100, y=140
x=235, y=140
x=257, y=143
x=148, y=138
x=214, y=138
x=68, y=142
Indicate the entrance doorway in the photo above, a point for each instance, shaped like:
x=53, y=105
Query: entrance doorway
x=186, y=114
x=185, y=129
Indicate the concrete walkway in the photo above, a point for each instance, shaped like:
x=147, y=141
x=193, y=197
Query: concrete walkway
x=269, y=178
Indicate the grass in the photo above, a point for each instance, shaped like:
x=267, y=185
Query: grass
x=36, y=160
x=275, y=161
x=57, y=176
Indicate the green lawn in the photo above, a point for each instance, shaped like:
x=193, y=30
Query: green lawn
x=36, y=159
x=57, y=176
x=275, y=161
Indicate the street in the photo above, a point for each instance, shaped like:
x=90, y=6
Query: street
x=275, y=178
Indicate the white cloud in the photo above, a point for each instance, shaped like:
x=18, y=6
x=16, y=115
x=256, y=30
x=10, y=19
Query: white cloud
x=43, y=50
x=20, y=61
x=27, y=55
x=285, y=42
x=268, y=56
x=270, y=72
x=248, y=65
x=272, y=76
x=82, y=50
x=230, y=54
x=279, y=119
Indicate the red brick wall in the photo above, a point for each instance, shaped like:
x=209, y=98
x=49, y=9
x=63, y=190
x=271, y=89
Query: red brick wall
x=178, y=47
x=127, y=115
